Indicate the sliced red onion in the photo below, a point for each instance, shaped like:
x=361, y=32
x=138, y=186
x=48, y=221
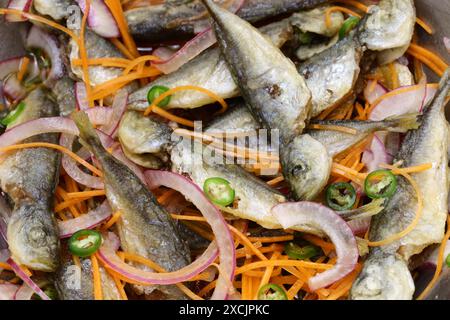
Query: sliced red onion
x=86, y=221
x=72, y=169
x=98, y=116
x=374, y=91
x=13, y=89
x=8, y=291
x=27, y=280
x=119, y=107
x=325, y=219
x=410, y=101
x=190, y=50
x=224, y=239
x=9, y=66
x=100, y=18
x=22, y=5
x=23, y=293
x=81, y=96
x=447, y=44
x=108, y=255
x=38, y=38
x=376, y=155
x=359, y=226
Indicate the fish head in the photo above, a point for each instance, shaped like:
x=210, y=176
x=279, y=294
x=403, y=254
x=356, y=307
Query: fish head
x=385, y=276
x=32, y=241
x=306, y=165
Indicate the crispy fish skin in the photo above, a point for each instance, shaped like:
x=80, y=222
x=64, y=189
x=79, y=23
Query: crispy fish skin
x=64, y=92
x=425, y=145
x=332, y=74
x=145, y=228
x=173, y=20
x=337, y=142
x=274, y=91
x=57, y=9
x=32, y=230
x=210, y=71
x=76, y=283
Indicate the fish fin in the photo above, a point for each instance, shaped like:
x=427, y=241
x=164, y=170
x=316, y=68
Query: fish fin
x=368, y=210
x=403, y=123
x=87, y=133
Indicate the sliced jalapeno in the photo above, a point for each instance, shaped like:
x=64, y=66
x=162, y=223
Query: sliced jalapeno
x=380, y=184
x=155, y=92
x=341, y=196
x=13, y=115
x=301, y=253
x=348, y=26
x=84, y=243
x=271, y=291
x=219, y=191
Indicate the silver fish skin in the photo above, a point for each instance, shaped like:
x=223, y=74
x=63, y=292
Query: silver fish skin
x=97, y=47
x=313, y=21
x=389, y=28
x=210, y=71
x=269, y=82
x=145, y=228
x=57, y=9
x=337, y=142
x=174, y=19
x=332, y=74
x=385, y=274
x=75, y=283
x=32, y=230
x=64, y=93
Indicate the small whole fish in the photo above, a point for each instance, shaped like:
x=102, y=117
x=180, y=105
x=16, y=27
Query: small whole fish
x=145, y=228
x=385, y=274
x=173, y=20
x=32, y=230
x=73, y=282
x=210, y=71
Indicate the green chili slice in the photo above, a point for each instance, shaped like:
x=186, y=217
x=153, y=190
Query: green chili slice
x=84, y=243
x=348, y=26
x=271, y=291
x=301, y=253
x=155, y=92
x=447, y=261
x=13, y=115
x=341, y=196
x=219, y=191
x=380, y=184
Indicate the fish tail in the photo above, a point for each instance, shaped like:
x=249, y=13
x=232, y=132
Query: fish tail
x=88, y=134
x=403, y=123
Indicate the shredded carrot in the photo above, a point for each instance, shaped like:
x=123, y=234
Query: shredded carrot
x=412, y=225
x=394, y=75
x=333, y=128
x=351, y=174
x=115, y=217
x=246, y=242
x=111, y=86
x=98, y=292
x=414, y=169
x=165, y=196
x=425, y=60
x=106, y=62
x=63, y=194
x=139, y=61
x=269, y=271
x=170, y=92
x=117, y=12
x=430, y=55
x=294, y=289
x=424, y=26
x=326, y=246
x=23, y=68
x=136, y=258
x=338, y=8
x=122, y=48
x=86, y=194
x=39, y=19
x=275, y=181
x=283, y=263
x=272, y=239
x=66, y=204
x=120, y=287
x=439, y=263
x=53, y=146
x=5, y=266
